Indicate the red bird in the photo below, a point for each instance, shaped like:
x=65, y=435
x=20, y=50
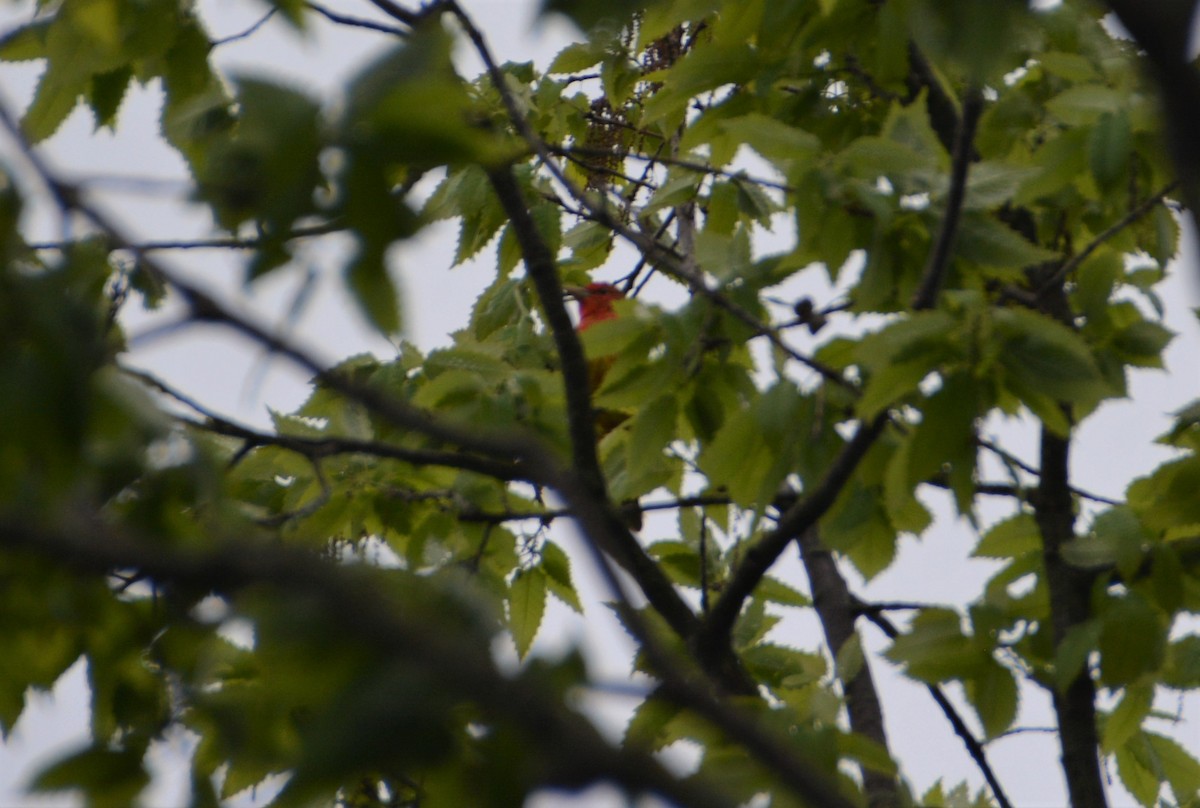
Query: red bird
x=595, y=306
x=595, y=303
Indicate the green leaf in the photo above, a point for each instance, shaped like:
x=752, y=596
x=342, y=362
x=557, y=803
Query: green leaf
x=526, y=605
x=1010, y=538
x=745, y=455
x=375, y=293
x=1166, y=498
x=26, y=42
x=409, y=107
x=1137, y=777
x=1132, y=641
x=1086, y=103
x=265, y=170
x=1072, y=653
x=1109, y=148
x=1126, y=718
x=557, y=567
x=107, y=776
x=1142, y=343
x=1180, y=767
x=849, y=660
x=652, y=431
x=647, y=727
x=935, y=649
x=591, y=14
x=774, y=140
x=577, y=56
x=992, y=184
x=1182, y=668
x=1044, y=357
x=987, y=242
x=774, y=590
x=993, y=693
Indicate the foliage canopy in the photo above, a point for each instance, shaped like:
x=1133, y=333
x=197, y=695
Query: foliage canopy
x=991, y=190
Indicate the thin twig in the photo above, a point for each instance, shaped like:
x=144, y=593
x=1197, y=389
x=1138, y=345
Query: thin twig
x=246, y=33
x=357, y=22
x=700, y=168
x=973, y=745
x=315, y=448
x=222, y=243
x=1069, y=266
x=1011, y=459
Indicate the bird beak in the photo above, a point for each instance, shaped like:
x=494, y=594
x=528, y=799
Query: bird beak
x=575, y=292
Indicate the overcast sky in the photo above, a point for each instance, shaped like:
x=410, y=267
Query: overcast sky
x=233, y=377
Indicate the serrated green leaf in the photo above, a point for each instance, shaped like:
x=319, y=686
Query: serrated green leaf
x=1132, y=641
x=1137, y=777
x=526, y=605
x=1071, y=66
x=935, y=649
x=992, y=184
x=774, y=590
x=1180, y=767
x=987, y=242
x=576, y=56
x=1044, y=357
x=1143, y=342
x=26, y=42
x=1072, y=653
x=1010, y=538
x=1086, y=103
x=1182, y=668
x=993, y=693
x=771, y=138
x=849, y=660
x=1126, y=718
x=557, y=566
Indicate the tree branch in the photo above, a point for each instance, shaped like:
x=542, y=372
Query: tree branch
x=1070, y=591
x=543, y=271
x=792, y=523
x=221, y=243
x=873, y=612
x=835, y=607
x=581, y=418
x=943, y=248
x=1070, y=265
x=366, y=610
x=356, y=22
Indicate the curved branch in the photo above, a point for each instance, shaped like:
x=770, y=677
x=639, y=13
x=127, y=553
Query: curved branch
x=1069, y=266
x=792, y=523
x=573, y=751
x=543, y=271
x=581, y=419
x=873, y=612
x=939, y=258
x=356, y=22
